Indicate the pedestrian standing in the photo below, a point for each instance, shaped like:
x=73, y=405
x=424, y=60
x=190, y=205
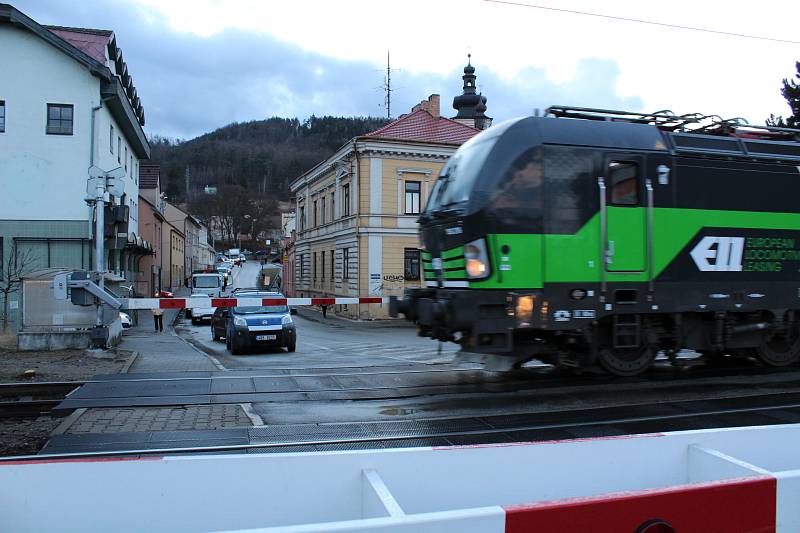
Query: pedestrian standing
x=158, y=318
x=324, y=311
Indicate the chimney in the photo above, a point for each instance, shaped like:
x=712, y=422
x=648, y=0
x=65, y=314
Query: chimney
x=431, y=105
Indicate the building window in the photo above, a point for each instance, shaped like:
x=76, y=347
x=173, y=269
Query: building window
x=333, y=206
x=412, y=197
x=111, y=138
x=322, y=215
x=346, y=200
x=301, y=222
x=333, y=268
x=119, y=149
x=345, y=263
x=314, y=266
x=126, y=159
x=2, y=116
x=315, y=214
x=322, y=271
x=302, y=269
x=411, y=264
x=59, y=119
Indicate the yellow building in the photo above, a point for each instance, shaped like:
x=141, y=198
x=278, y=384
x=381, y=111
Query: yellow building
x=173, y=249
x=357, y=211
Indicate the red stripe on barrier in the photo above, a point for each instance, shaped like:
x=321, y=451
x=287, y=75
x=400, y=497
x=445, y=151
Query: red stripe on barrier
x=223, y=302
x=81, y=460
x=370, y=300
x=172, y=303
x=323, y=301
x=273, y=301
x=746, y=505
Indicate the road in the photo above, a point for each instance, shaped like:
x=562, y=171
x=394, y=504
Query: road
x=331, y=343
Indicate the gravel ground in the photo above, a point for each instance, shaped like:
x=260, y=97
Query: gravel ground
x=23, y=436
x=67, y=365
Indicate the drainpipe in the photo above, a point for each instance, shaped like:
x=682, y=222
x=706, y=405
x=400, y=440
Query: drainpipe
x=357, y=196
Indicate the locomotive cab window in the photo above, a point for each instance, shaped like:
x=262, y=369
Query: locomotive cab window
x=623, y=183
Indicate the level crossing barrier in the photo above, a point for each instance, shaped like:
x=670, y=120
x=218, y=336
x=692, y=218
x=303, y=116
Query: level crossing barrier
x=743, y=480
x=195, y=302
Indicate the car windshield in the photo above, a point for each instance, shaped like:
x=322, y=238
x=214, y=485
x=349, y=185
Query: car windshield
x=260, y=309
x=206, y=282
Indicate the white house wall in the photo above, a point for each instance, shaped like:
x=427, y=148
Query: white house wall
x=44, y=176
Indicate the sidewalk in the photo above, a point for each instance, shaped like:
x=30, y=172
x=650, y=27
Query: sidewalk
x=163, y=352
x=315, y=314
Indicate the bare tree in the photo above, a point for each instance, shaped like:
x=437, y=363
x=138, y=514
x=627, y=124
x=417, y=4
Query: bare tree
x=19, y=264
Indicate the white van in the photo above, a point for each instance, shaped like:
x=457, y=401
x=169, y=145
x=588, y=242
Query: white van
x=209, y=283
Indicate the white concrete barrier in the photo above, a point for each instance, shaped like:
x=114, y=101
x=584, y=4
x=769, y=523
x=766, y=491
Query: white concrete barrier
x=726, y=480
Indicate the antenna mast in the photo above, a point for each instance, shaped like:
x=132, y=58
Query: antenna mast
x=388, y=87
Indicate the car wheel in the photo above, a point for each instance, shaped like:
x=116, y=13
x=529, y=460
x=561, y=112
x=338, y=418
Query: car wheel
x=292, y=347
x=235, y=350
x=194, y=322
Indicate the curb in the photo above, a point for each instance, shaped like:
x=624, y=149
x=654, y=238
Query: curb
x=316, y=316
x=65, y=424
x=129, y=363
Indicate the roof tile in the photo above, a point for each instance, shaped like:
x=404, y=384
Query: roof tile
x=422, y=126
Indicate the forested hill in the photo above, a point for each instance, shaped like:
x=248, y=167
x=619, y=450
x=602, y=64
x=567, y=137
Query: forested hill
x=261, y=156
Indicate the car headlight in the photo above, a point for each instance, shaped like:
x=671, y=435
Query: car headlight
x=477, y=259
x=286, y=320
x=239, y=321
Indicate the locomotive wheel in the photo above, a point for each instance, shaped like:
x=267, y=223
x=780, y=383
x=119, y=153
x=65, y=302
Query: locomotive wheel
x=780, y=350
x=627, y=361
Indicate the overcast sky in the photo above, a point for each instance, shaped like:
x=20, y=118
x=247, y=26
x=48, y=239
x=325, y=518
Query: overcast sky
x=200, y=64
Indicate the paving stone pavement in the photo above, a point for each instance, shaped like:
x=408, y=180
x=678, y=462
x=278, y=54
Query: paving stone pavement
x=143, y=419
x=163, y=352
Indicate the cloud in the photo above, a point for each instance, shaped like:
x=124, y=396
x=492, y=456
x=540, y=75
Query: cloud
x=191, y=84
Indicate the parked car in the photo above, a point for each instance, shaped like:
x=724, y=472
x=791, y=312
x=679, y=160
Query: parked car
x=261, y=325
x=125, y=318
x=200, y=314
x=240, y=290
x=219, y=322
x=165, y=294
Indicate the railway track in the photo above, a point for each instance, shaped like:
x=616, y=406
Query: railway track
x=33, y=399
x=752, y=410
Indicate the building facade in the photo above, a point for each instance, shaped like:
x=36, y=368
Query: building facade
x=151, y=223
x=357, y=232
x=67, y=103
x=173, y=246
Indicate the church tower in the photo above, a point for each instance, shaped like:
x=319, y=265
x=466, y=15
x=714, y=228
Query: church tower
x=470, y=105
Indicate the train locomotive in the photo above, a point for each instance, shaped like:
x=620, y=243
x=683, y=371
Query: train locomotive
x=592, y=237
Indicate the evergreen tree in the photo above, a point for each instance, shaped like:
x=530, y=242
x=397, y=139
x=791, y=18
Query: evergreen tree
x=790, y=91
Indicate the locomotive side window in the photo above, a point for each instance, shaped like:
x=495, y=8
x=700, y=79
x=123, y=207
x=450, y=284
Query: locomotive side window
x=623, y=183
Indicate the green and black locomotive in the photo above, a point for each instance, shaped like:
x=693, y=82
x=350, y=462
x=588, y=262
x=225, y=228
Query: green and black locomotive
x=594, y=237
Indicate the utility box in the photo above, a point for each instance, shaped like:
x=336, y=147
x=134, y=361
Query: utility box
x=81, y=297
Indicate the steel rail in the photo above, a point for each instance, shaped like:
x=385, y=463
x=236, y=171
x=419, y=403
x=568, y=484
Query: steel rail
x=36, y=398
x=443, y=434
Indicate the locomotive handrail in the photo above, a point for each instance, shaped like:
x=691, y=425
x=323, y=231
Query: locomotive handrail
x=601, y=184
x=648, y=184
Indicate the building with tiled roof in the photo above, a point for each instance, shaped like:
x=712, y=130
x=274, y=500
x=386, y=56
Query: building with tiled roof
x=68, y=110
x=356, y=212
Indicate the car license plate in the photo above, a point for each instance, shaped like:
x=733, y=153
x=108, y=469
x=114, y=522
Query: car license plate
x=266, y=337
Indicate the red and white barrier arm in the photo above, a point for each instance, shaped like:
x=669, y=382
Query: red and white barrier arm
x=191, y=303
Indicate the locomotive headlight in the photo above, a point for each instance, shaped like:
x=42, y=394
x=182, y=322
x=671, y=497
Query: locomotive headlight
x=477, y=259
x=524, y=309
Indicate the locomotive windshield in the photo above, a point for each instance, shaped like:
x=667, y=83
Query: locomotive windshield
x=457, y=178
